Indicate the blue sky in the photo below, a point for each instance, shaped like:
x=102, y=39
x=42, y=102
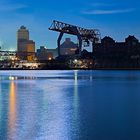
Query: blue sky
x=116, y=18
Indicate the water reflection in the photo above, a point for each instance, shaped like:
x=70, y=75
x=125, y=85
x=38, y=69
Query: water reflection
x=76, y=106
x=91, y=76
x=75, y=90
x=0, y=102
x=12, y=110
x=57, y=116
x=71, y=105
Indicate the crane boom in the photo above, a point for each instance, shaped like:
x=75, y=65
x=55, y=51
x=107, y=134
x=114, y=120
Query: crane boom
x=84, y=35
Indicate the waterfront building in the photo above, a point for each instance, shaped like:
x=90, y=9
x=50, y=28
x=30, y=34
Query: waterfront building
x=68, y=47
x=22, y=38
x=23, y=33
x=111, y=54
x=54, y=52
x=49, y=56
x=43, y=54
x=25, y=46
x=131, y=41
x=8, y=56
x=30, y=50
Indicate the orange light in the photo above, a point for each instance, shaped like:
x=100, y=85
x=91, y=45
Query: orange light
x=12, y=108
x=50, y=58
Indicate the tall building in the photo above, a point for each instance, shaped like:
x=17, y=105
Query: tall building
x=25, y=46
x=23, y=33
x=22, y=38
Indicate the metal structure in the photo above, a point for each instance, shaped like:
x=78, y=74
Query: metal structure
x=14, y=53
x=7, y=53
x=84, y=35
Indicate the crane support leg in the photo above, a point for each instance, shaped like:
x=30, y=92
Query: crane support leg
x=59, y=43
x=80, y=44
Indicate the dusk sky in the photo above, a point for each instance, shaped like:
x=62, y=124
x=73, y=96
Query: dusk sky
x=116, y=18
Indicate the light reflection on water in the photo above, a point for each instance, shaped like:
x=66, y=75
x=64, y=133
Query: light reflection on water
x=0, y=104
x=12, y=110
x=69, y=105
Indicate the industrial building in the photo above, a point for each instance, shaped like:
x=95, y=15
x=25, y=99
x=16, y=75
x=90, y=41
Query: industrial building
x=68, y=47
x=25, y=46
x=112, y=54
x=43, y=54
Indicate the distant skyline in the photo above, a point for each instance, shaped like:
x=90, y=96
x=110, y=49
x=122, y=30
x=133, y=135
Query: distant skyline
x=115, y=18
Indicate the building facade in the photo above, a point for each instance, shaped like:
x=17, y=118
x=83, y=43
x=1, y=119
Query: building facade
x=68, y=47
x=25, y=46
x=22, y=38
x=30, y=50
x=43, y=54
x=112, y=54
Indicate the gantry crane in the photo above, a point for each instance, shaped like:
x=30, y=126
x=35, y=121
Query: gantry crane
x=84, y=35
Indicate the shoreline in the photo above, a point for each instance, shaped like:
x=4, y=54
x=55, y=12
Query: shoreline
x=105, y=69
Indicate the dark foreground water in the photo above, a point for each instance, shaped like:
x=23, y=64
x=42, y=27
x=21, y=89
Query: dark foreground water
x=69, y=105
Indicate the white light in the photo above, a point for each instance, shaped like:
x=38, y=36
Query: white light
x=75, y=61
x=11, y=78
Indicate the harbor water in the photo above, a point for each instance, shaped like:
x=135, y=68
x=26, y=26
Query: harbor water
x=70, y=105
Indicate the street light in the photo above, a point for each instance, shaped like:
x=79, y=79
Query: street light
x=75, y=61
